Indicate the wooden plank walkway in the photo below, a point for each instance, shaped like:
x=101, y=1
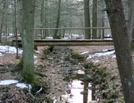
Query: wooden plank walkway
x=62, y=42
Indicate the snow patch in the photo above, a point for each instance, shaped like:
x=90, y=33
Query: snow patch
x=35, y=56
x=84, y=52
x=8, y=82
x=21, y=85
x=9, y=49
x=1, y=54
x=37, y=52
x=113, y=56
x=100, y=54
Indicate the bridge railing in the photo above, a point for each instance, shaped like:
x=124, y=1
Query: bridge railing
x=70, y=32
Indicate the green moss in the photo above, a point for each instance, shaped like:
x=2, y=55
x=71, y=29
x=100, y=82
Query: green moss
x=36, y=85
x=28, y=77
x=46, y=51
x=76, y=56
x=88, y=65
x=18, y=67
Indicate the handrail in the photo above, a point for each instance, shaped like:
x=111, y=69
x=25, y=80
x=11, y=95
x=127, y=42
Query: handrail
x=72, y=28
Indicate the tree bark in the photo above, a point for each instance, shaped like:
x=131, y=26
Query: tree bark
x=15, y=29
x=43, y=18
x=58, y=20
x=27, y=39
x=2, y=19
x=94, y=19
x=122, y=47
x=130, y=18
x=87, y=19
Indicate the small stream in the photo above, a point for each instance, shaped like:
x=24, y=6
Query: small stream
x=75, y=96
x=76, y=86
x=76, y=89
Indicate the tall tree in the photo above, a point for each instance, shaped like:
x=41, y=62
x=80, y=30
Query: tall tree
x=4, y=22
x=87, y=19
x=130, y=18
x=101, y=20
x=28, y=12
x=15, y=30
x=58, y=19
x=19, y=16
x=122, y=46
x=94, y=19
x=2, y=19
x=43, y=17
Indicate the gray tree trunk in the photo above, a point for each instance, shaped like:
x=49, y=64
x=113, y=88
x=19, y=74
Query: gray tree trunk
x=2, y=19
x=94, y=19
x=15, y=29
x=122, y=47
x=102, y=18
x=58, y=20
x=42, y=18
x=27, y=38
x=130, y=18
x=19, y=19
x=87, y=19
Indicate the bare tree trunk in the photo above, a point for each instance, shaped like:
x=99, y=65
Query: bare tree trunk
x=130, y=18
x=19, y=19
x=1, y=26
x=15, y=29
x=122, y=47
x=2, y=21
x=58, y=20
x=103, y=25
x=42, y=18
x=27, y=38
x=45, y=22
x=87, y=19
x=102, y=20
x=94, y=19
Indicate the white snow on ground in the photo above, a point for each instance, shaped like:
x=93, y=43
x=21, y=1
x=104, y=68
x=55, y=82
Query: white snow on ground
x=21, y=85
x=37, y=51
x=9, y=49
x=35, y=56
x=84, y=52
x=0, y=54
x=100, y=54
x=8, y=82
x=12, y=50
x=113, y=56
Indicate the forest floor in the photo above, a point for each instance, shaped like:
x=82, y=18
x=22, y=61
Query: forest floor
x=52, y=68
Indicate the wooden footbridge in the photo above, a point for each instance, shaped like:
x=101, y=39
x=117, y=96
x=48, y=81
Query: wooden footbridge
x=62, y=42
x=68, y=42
